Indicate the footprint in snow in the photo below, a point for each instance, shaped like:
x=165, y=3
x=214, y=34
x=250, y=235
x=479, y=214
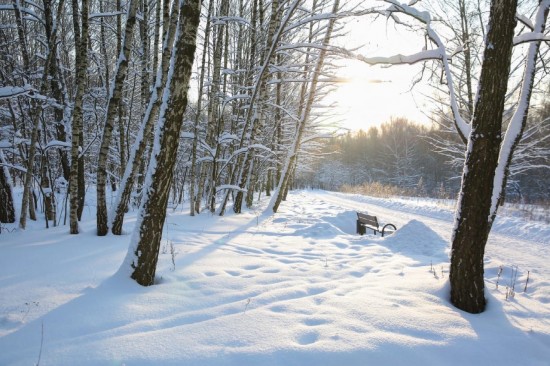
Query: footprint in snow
x=307, y=338
x=315, y=321
x=233, y=273
x=357, y=274
x=251, y=267
x=271, y=270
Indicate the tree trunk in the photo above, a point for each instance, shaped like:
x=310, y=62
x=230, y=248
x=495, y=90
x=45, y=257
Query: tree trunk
x=36, y=109
x=112, y=105
x=143, y=253
x=49, y=197
x=7, y=210
x=192, y=198
x=290, y=163
x=58, y=87
x=518, y=122
x=35, y=115
x=81, y=47
x=260, y=93
x=473, y=222
x=136, y=156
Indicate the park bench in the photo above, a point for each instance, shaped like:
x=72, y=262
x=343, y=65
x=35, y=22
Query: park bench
x=365, y=221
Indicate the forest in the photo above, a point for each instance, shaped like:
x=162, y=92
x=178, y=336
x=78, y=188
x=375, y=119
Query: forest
x=211, y=103
x=403, y=158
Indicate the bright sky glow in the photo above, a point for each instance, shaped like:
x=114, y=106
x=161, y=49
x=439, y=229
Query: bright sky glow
x=374, y=94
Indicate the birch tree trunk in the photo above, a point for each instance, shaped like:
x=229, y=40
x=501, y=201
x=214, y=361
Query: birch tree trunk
x=473, y=219
x=112, y=106
x=7, y=210
x=215, y=118
x=26, y=203
x=192, y=198
x=140, y=144
x=263, y=96
x=250, y=119
x=516, y=127
x=81, y=47
x=36, y=111
x=143, y=253
x=57, y=85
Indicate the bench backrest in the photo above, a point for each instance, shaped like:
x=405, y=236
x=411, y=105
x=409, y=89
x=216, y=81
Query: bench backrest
x=367, y=219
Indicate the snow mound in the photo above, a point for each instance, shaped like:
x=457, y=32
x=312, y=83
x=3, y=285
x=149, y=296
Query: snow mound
x=344, y=221
x=330, y=226
x=319, y=230
x=416, y=238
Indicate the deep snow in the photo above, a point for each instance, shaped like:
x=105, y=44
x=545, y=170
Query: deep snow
x=295, y=288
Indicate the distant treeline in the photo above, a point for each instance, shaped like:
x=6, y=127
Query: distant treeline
x=404, y=158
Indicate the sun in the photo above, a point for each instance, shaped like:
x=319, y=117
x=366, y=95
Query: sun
x=371, y=95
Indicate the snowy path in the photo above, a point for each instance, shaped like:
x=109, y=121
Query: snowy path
x=503, y=246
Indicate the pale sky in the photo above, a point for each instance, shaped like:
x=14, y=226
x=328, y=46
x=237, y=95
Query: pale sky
x=376, y=93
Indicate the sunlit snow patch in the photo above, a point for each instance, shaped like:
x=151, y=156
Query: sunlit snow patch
x=415, y=238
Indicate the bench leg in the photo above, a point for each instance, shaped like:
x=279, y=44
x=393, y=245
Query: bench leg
x=360, y=228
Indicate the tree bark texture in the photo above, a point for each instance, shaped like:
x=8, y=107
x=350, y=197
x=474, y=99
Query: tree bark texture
x=112, y=107
x=473, y=222
x=140, y=144
x=153, y=210
x=7, y=210
x=81, y=46
x=194, y=165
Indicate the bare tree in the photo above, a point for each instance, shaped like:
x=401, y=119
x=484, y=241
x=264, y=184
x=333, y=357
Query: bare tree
x=7, y=210
x=143, y=252
x=488, y=155
x=112, y=107
x=151, y=113
x=81, y=47
x=292, y=155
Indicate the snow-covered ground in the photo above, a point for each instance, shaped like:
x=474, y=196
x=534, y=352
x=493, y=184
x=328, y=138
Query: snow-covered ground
x=295, y=288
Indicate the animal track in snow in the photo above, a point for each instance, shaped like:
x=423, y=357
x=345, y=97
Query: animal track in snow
x=315, y=321
x=307, y=338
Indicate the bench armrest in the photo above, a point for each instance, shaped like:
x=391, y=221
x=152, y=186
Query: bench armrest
x=385, y=226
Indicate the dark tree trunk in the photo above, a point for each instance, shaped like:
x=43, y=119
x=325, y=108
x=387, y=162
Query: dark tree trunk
x=81, y=186
x=473, y=219
x=7, y=211
x=77, y=163
x=113, y=104
x=144, y=255
x=137, y=162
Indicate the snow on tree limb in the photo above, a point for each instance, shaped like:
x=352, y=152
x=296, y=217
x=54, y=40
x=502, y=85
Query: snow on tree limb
x=530, y=37
x=422, y=16
x=106, y=14
x=525, y=21
x=516, y=126
x=13, y=91
x=438, y=53
x=400, y=59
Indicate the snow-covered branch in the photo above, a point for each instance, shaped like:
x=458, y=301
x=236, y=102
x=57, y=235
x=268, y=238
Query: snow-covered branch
x=13, y=91
x=105, y=15
x=400, y=59
x=516, y=126
x=530, y=37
